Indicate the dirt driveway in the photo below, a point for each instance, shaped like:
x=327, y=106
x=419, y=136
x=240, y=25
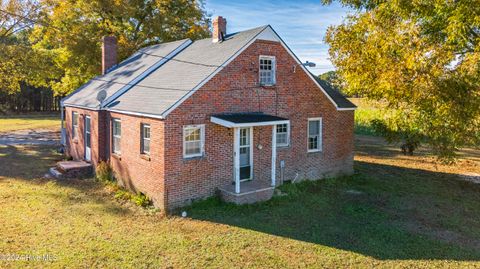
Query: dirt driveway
x=31, y=137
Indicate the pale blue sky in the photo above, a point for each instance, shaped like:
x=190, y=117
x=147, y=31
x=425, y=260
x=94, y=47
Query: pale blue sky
x=301, y=23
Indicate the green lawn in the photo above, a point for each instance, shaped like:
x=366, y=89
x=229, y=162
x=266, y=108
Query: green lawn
x=396, y=211
x=29, y=121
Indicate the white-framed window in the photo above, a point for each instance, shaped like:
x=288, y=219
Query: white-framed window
x=283, y=135
x=267, y=70
x=145, y=135
x=116, y=135
x=314, y=134
x=193, y=140
x=75, y=124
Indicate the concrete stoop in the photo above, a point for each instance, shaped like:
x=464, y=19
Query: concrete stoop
x=250, y=192
x=72, y=169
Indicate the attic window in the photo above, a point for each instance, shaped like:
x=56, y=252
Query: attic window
x=267, y=70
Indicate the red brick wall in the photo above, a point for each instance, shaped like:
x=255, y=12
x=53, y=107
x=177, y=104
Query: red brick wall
x=295, y=96
x=76, y=147
x=133, y=170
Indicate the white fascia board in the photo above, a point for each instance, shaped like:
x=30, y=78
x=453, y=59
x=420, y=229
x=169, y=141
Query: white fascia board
x=79, y=106
x=346, y=108
x=146, y=73
x=230, y=124
x=220, y=68
x=153, y=116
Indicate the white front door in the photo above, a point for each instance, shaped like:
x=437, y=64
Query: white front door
x=246, y=152
x=88, y=139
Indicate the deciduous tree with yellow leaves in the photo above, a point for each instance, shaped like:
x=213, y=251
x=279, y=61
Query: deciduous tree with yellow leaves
x=421, y=58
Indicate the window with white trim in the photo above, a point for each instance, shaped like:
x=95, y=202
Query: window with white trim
x=193, y=140
x=75, y=124
x=267, y=70
x=145, y=143
x=116, y=136
x=283, y=135
x=314, y=134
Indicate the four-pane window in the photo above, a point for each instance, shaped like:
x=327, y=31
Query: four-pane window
x=193, y=140
x=283, y=139
x=314, y=134
x=145, y=139
x=267, y=70
x=75, y=124
x=116, y=135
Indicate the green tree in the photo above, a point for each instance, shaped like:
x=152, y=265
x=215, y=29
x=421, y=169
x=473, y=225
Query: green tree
x=421, y=58
x=332, y=78
x=19, y=63
x=72, y=30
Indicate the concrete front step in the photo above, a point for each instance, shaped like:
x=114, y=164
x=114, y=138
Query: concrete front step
x=72, y=169
x=250, y=192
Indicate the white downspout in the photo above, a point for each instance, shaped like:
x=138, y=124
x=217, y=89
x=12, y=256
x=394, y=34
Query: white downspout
x=62, y=124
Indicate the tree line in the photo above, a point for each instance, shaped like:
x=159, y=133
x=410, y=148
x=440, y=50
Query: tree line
x=421, y=58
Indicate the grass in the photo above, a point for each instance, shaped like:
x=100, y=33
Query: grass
x=365, y=113
x=29, y=121
x=396, y=211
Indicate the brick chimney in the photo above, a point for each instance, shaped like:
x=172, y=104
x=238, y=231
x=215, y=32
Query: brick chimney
x=109, y=53
x=219, y=28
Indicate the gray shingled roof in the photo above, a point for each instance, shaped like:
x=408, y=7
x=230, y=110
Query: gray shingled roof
x=337, y=96
x=175, y=79
x=123, y=73
x=143, y=88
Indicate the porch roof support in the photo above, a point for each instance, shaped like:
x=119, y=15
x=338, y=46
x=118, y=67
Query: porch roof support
x=237, y=121
x=236, y=158
x=274, y=153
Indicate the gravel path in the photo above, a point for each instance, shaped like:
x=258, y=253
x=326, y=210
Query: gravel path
x=31, y=137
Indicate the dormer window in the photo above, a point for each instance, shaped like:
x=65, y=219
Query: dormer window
x=267, y=70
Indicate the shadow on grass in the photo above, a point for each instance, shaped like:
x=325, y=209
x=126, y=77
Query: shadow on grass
x=30, y=163
x=27, y=162
x=393, y=213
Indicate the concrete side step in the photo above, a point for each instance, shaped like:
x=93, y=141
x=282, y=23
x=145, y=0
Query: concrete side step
x=55, y=173
x=73, y=165
x=75, y=169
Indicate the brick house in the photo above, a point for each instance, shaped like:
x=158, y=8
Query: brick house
x=236, y=114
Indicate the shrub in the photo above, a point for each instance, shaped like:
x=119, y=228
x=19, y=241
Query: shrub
x=104, y=172
x=123, y=195
x=409, y=137
x=141, y=200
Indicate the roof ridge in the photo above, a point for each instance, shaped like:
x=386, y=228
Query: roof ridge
x=187, y=42
x=157, y=44
x=233, y=56
x=238, y=32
